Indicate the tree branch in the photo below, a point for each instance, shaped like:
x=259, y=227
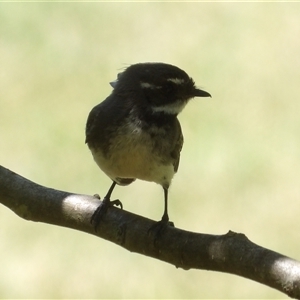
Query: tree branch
x=230, y=253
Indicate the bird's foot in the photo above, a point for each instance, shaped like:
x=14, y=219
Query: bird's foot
x=102, y=209
x=159, y=227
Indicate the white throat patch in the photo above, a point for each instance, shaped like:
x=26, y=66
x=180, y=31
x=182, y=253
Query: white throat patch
x=171, y=109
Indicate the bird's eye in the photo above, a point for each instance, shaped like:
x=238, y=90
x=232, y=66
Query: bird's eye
x=169, y=87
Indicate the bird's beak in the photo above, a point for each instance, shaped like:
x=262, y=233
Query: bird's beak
x=113, y=83
x=200, y=93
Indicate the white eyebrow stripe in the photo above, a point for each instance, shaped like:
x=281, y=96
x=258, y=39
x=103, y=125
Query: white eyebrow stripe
x=176, y=80
x=148, y=85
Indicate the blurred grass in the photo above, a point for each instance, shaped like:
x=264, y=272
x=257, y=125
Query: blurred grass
x=240, y=165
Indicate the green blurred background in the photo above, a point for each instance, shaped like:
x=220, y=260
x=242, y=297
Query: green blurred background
x=240, y=165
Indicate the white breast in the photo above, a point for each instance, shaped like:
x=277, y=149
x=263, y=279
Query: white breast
x=131, y=155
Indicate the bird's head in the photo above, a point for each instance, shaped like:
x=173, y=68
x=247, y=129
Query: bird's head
x=163, y=87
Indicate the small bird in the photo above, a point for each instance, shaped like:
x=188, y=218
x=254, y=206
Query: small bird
x=135, y=134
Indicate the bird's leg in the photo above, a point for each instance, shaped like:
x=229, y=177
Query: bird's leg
x=107, y=197
x=165, y=217
x=161, y=225
x=102, y=208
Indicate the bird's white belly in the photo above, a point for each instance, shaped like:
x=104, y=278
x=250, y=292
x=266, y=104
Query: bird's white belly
x=132, y=156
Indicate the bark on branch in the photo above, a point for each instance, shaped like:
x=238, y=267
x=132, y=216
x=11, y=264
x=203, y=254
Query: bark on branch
x=230, y=253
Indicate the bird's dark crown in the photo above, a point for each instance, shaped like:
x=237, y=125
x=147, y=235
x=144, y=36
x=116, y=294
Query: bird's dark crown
x=164, y=87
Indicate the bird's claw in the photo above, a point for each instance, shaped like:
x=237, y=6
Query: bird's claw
x=158, y=228
x=102, y=209
x=116, y=202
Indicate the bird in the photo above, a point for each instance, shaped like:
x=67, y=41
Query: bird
x=135, y=133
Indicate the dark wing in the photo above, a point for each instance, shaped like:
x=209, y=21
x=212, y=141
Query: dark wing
x=175, y=153
x=103, y=120
x=90, y=124
x=98, y=125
